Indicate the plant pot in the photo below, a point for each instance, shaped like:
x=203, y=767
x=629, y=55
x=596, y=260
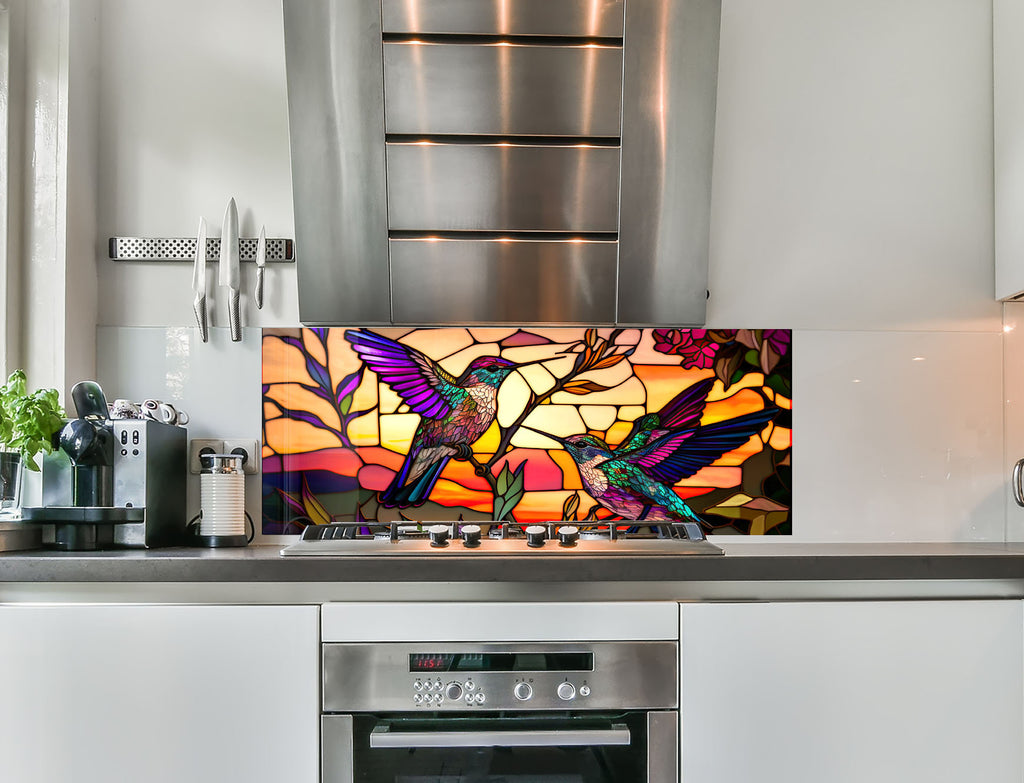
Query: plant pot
x=11, y=469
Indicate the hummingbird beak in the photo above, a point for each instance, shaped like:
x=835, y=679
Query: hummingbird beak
x=520, y=365
x=545, y=434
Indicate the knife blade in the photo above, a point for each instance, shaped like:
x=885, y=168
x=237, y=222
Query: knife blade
x=229, y=275
x=199, y=282
x=261, y=262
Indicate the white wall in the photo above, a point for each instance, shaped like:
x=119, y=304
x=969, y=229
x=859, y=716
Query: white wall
x=852, y=202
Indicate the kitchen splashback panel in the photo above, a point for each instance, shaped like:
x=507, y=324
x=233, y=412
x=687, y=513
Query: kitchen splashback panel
x=393, y=424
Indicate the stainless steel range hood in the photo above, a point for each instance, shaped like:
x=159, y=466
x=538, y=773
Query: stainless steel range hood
x=501, y=161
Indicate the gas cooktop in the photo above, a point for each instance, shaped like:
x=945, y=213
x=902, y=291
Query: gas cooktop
x=457, y=539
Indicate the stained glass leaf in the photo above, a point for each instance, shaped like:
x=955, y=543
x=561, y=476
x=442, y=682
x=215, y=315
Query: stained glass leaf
x=314, y=508
x=583, y=387
x=570, y=507
x=769, y=357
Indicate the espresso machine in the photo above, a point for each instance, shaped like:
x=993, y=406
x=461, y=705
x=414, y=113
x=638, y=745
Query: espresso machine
x=112, y=483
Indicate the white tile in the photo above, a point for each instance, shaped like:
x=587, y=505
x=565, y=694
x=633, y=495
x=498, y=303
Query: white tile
x=897, y=436
x=853, y=166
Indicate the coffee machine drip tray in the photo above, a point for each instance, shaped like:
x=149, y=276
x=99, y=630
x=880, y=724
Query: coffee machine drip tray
x=83, y=527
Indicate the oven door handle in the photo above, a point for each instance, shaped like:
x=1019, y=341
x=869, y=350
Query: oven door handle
x=382, y=737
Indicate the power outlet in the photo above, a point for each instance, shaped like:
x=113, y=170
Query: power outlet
x=250, y=451
x=199, y=446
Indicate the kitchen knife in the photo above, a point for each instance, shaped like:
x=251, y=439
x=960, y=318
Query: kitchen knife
x=199, y=281
x=261, y=262
x=229, y=275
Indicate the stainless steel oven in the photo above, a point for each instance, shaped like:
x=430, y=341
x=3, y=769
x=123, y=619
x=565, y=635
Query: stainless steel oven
x=518, y=712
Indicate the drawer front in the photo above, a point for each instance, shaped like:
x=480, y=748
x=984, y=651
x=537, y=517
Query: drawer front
x=493, y=281
x=502, y=187
x=502, y=89
x=596, y=18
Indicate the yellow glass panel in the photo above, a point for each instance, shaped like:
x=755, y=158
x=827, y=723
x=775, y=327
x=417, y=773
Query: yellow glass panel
x=781, y=439
x=488, y=442
x=397, y=429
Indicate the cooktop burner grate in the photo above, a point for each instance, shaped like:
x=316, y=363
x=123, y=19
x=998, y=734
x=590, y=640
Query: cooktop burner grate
x=502, y=538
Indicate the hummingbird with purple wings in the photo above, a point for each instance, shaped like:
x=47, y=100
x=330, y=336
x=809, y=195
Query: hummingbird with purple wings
x=454, y=411
x=634, y=480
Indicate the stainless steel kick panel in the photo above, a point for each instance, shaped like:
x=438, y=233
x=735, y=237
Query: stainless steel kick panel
x=506, y=90
x=375, y=677
x=502, y=187
x=336, y=122
x=597, y=18
x=458, y=280
x=668, y=130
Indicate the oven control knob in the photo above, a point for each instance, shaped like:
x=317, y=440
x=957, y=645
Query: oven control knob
x=535, y=535
x=584, y=690
x=523, y=691
x=568, y=535
x=471, y=535
x=453, y=691
x=438, y=535
x=566, y=691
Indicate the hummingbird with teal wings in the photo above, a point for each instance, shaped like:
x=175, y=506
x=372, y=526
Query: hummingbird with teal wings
x=634, y=480
x=454, y=411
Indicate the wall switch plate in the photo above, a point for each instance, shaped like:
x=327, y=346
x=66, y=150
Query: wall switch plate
x=199, y=446
x=250, y=451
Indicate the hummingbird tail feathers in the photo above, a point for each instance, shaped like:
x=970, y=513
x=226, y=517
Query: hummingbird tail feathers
x=400, y=494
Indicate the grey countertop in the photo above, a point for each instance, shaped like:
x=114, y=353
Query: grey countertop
x=965, y=570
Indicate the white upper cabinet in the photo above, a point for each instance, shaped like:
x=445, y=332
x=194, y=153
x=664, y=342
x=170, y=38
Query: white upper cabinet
x=1008, y=131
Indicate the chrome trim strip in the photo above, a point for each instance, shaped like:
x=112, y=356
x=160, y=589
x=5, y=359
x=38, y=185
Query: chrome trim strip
x=336, y=122
x=663, y=747
x=336, y=749
x=669, y=92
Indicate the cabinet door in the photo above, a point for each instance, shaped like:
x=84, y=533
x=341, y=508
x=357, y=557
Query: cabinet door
x=160, y=694
x=888, y=691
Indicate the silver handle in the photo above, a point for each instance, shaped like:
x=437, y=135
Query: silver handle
x=1018, y=488
x=383, y=737
x=258, y=294
x=234, y=318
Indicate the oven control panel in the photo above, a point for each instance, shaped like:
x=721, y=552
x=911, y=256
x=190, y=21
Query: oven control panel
x=439, y=692
x=520, y=676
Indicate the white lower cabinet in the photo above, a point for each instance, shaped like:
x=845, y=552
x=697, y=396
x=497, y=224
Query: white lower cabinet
x=159, y=694
x=852, y=692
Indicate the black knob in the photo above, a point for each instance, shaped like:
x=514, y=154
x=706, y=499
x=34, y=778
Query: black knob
x=535, y=535
x=568, y=535
x=438, y=535
x=471, y=535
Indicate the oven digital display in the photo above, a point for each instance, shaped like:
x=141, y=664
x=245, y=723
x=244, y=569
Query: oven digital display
x=502, y=662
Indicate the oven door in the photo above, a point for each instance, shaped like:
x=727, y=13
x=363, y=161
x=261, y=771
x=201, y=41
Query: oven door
x=629, y=747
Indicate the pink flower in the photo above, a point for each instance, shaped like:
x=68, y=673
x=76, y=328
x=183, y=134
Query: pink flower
x=778, y=339
x=694, y=345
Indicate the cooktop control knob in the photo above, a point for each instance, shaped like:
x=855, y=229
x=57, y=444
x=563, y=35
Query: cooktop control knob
x=471, y=535
x=535, y=535
x=438, y=535
x=522, y=691
x=568, y=535
x=453, y=691
x=566, y=691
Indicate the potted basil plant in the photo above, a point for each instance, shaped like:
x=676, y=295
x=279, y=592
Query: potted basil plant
x=28, y=423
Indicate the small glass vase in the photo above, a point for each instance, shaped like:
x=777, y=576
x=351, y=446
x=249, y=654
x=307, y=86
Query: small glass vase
x=11, y=469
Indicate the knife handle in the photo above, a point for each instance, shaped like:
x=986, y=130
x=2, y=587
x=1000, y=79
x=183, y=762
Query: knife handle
x=258, y=293
x=234, y=317
x=199, y=306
